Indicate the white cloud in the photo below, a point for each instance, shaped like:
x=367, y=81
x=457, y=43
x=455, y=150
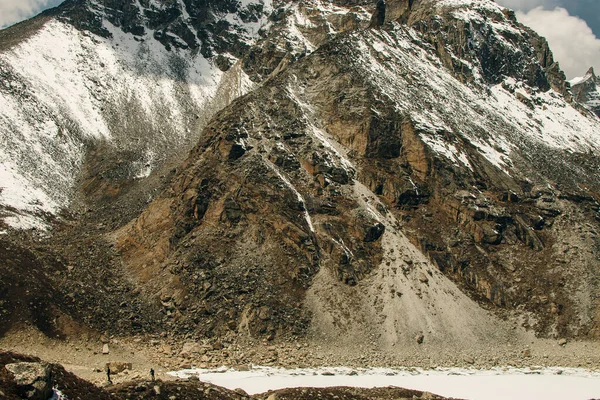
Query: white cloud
x=12, y=11
x=572, y=41
x=526, y=5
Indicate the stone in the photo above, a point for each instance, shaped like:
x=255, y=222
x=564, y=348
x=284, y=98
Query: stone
x=32, y=378
x=105, y=349
x=423, y=278
x=264, y=313
x=562, y=342
x=374, y=233
x=420, y=338
x=237, y=150
x=118, y=367
x=217, y=346
x=166, y=349
x=190, y=348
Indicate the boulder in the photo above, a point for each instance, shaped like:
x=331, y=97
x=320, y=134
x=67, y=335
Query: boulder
x=190, y=348
x=33, y=379
x=118, y=367
x=374, y=233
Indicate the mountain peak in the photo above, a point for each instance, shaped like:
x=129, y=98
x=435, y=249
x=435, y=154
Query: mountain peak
x=586, y=90
x=213, y=200
x=479, y=40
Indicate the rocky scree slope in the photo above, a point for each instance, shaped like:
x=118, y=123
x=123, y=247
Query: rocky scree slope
x=585, y=91
x=390, y=177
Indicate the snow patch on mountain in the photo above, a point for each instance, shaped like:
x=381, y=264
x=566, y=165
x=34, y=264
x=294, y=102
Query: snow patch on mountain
x=299, y=197
x=63, y=90
x=507, y=117
x=250, y=29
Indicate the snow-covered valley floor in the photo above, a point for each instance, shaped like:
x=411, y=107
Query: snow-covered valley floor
x=496, y=384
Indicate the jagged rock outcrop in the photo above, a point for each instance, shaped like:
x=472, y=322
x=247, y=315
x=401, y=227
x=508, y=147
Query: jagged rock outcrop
x=586, y=91
x=477, y=37
x=176, y=24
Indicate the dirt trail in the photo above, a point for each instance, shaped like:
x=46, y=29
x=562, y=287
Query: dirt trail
x=84, y=357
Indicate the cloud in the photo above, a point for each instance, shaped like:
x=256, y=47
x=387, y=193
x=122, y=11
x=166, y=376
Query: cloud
x=13, y=11
x=526, y=5
x=572, y=41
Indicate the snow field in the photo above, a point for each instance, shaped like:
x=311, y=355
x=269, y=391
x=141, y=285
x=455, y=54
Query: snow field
x=496, y=384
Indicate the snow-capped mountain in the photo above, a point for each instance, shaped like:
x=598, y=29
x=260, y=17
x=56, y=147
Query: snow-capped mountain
x=586, y=90
x=344, y=169
x=65, y=91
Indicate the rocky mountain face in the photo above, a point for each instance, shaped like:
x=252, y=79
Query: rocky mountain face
x=586, y=91
x=390, y=171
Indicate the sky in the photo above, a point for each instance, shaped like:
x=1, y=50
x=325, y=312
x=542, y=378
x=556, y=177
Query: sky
x=572, y=27
x=13, y=11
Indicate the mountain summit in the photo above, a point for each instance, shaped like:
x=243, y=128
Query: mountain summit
x=333, y=171
x=586, y=90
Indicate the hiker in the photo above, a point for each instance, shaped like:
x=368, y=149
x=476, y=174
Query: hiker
x=108, y=374
x=152, y=373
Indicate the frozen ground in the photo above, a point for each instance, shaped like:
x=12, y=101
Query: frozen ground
x=496, y=384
